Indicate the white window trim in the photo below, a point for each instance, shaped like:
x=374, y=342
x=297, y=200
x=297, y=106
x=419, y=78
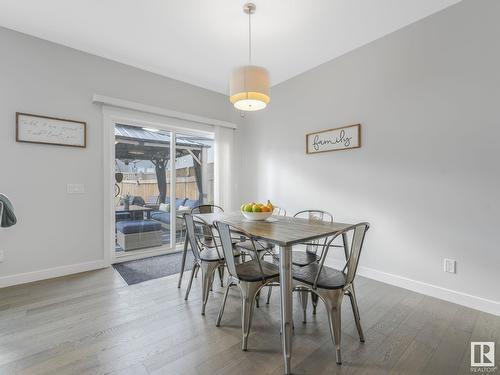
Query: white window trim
x=140, y=107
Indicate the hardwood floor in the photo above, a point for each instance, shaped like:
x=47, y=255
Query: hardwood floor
x=93, y=323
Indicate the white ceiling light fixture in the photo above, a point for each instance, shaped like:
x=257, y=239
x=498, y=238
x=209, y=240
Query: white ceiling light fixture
x=249, y=85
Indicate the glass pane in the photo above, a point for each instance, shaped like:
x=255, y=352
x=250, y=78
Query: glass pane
x=194, y=165
x=142, y=210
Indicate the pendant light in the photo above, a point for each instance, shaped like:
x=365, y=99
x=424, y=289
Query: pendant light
x=249, y=85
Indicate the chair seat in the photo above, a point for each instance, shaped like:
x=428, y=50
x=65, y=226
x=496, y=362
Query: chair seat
x=303, y=258
x=211, y=255
x=259, y=246
x=211, y=242
x=329, y=278
x=250, y=271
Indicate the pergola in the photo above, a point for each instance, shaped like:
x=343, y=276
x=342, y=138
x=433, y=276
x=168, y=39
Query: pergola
x=135, y=143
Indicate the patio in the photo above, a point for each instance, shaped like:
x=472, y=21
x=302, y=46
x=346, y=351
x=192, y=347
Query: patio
x=143, y=173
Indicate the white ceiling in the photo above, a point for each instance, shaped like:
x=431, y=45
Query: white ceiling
x=200, y=41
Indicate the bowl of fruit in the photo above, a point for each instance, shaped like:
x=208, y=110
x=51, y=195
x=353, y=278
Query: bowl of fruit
x=257, y=211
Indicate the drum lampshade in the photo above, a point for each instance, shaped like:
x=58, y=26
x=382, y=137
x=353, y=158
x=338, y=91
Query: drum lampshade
x=249, y=88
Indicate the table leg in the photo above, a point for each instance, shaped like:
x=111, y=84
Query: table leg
x=286, y=304
x=346, y=245
x=183, y=264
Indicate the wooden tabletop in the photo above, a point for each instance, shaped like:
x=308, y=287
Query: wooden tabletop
x=282, y=231
x=132, y=208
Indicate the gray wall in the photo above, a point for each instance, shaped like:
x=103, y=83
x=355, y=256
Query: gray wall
x=56, y=229
x=427, y=175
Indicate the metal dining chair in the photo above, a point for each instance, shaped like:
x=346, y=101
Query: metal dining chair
x=279, y=211
x=310, y=255
x=204, y=236
x=207, y=237
x=263, y=247
x=250, y=277
x=330, y=285
x=206, y=259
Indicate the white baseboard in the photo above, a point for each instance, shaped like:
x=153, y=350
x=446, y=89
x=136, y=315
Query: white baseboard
x=49, y=273
x=460, y=298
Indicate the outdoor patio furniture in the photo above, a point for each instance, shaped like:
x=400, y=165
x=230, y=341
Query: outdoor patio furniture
x=153, y=201
x=135, y=212
x=136, y=234
x=121, y=216
x=164, y=217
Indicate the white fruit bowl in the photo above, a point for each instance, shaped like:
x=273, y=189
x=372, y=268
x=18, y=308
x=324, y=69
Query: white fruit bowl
x=256, y=216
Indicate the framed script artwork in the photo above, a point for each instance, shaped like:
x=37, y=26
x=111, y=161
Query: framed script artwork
x=50, y=130
x=337, y=139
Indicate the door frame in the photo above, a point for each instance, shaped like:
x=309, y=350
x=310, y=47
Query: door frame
x=112, y=115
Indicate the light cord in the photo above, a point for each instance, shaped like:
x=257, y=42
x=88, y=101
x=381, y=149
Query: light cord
x=249, y=38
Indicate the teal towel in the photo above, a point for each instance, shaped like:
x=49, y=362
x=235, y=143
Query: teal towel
x=8, y=218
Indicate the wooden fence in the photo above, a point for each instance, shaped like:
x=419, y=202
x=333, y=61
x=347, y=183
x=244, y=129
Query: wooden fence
x=149, y=188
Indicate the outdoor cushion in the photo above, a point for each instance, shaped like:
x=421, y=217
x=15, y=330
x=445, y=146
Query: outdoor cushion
x=179, y=202
x=165, y=207
x=192, y=203
x=162, y=216
x=138, y=226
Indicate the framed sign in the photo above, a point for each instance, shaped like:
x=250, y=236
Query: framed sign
x=337, y=139
x=50, y=130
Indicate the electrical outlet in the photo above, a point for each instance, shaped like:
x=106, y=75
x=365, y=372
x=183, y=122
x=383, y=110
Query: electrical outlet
x=1, y=256
x=75, y=188
x=450, y=265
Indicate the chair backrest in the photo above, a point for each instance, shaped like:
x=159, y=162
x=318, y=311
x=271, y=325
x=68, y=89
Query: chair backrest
x=206, y=209
x=315, y=215
x=357, y=232
x=279, y=211
x=225, y=230
x=191, y=236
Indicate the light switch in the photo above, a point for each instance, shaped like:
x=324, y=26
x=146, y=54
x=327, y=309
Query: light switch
x=75, y=189
x=450, y=266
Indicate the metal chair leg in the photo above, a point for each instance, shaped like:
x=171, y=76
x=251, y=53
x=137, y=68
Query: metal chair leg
x=196, y=274
x=355, y=310
x=221, y=276
x=270, y=288
x=333, y=303
x=314, y=300
x=248, y=293
x=193, y=271
x=223, y=304
x=303, y=295
x=183, y=263
x=207, y=274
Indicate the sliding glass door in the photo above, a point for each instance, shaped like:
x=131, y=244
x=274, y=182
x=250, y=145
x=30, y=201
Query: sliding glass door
x=159, y=175
x=194, y=174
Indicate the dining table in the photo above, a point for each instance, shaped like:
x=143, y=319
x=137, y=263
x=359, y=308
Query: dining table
x=284, y=232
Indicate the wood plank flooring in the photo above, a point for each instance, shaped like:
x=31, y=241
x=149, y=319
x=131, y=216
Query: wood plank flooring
x=93, y=323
